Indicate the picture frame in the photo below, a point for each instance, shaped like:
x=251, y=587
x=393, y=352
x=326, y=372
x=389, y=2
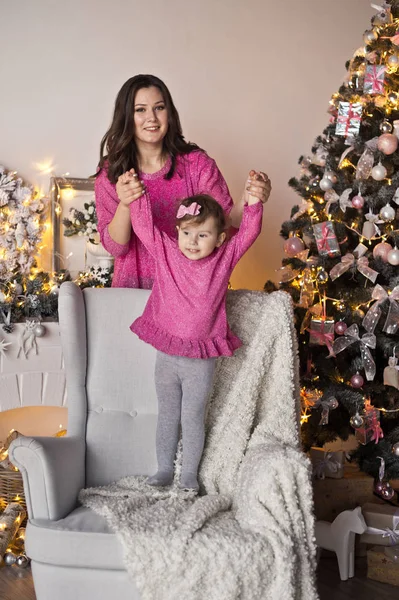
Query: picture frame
x=66, y=193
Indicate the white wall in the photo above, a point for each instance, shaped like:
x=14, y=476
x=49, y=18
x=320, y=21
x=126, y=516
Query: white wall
x=251, y=80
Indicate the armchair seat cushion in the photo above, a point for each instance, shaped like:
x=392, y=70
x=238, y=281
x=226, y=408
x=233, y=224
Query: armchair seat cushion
x=82, y=539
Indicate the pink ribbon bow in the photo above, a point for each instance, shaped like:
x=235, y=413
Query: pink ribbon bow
x=192, y=209
x=373, y=315
x=348, y=261
x=367, y=341
x=374, y=427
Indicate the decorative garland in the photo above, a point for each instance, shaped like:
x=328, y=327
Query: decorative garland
x=26, y=292
x=22, y=216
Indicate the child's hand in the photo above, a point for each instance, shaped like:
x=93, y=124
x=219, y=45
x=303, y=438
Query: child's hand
x=258, y=188
x=129, y=188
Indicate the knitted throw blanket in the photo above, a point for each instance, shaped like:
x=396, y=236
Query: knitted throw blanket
x=250, y=537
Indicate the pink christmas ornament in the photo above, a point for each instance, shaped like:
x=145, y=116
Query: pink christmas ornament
x=357, y=380
x=378, y=487
x=340, y=327
x=293, y=246
x=387, y=143
x=381, y=251
x=357, y=201
x=387, y=491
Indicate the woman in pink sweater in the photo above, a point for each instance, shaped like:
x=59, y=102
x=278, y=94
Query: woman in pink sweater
x=145, y=135
x=185, y=318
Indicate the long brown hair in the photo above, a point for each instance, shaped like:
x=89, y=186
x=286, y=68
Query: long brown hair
x=119, y=142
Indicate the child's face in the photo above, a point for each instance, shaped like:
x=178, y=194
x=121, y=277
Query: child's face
x=198, y=241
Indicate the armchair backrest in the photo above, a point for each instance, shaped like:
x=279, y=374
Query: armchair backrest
x=110, y=381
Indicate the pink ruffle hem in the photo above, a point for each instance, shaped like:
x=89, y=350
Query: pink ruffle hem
x=176, y=346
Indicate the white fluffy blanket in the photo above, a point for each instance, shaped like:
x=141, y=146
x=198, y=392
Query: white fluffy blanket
x=250, y=537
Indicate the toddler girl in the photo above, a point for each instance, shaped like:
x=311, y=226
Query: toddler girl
x=185, y=319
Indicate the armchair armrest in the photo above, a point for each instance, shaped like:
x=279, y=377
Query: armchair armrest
x=53, y=472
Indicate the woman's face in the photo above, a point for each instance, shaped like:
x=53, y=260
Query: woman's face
x=150, y=116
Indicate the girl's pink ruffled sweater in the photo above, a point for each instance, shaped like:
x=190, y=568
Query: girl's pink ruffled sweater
x=186, y=312
x=195, y=173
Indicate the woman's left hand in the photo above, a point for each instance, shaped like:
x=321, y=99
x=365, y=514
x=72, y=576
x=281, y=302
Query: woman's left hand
x=258, y=185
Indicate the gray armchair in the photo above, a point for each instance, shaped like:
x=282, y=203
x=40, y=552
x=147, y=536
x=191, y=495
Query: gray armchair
x=111, y=433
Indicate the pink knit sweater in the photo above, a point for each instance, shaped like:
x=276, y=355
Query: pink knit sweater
x=195, y=173
x=186, y=314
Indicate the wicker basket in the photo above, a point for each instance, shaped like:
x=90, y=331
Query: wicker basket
x=11, y=488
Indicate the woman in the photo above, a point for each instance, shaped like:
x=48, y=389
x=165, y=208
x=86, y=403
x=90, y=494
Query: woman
x=145, y=138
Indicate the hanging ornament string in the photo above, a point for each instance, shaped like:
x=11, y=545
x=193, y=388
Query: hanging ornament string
x=368, y=340
x=348, y=261
x=373, y=315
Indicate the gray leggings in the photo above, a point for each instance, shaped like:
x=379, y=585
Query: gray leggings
x=183, y=385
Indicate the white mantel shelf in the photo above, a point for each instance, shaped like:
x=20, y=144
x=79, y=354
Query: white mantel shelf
x=38, y=380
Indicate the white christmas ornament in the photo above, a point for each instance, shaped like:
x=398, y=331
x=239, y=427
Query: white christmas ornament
x=331, y=175
x=393, y=60
x=39, y=330
x=393, y=256
x=379, y=172
x=387, y=213
x=325, y=184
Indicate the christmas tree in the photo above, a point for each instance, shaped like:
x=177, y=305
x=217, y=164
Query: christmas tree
x=342, y=260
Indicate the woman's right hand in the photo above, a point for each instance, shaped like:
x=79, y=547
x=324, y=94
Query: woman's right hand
x=129, y=188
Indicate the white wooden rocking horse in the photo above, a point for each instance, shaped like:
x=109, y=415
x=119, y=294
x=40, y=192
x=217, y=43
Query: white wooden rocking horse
x=339, y=536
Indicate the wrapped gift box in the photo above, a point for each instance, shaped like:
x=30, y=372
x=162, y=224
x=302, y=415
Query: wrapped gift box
x=367, y=432
x=332, y=496
x=380, y=567
x=326, y=240
x=349, y=119
x=321, y=332
x=326, y=463
x=383, y=524
x=374, y=79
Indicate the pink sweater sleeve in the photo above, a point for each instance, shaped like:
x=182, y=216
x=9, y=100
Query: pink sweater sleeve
x=209, y=180
x=250, y=228
x=143, y=224
x=106, y=205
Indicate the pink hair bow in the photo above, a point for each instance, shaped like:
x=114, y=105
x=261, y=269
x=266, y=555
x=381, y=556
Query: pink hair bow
x=192, y=209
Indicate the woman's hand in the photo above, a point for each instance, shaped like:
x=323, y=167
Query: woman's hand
x=129, y=188
x=257, y=186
